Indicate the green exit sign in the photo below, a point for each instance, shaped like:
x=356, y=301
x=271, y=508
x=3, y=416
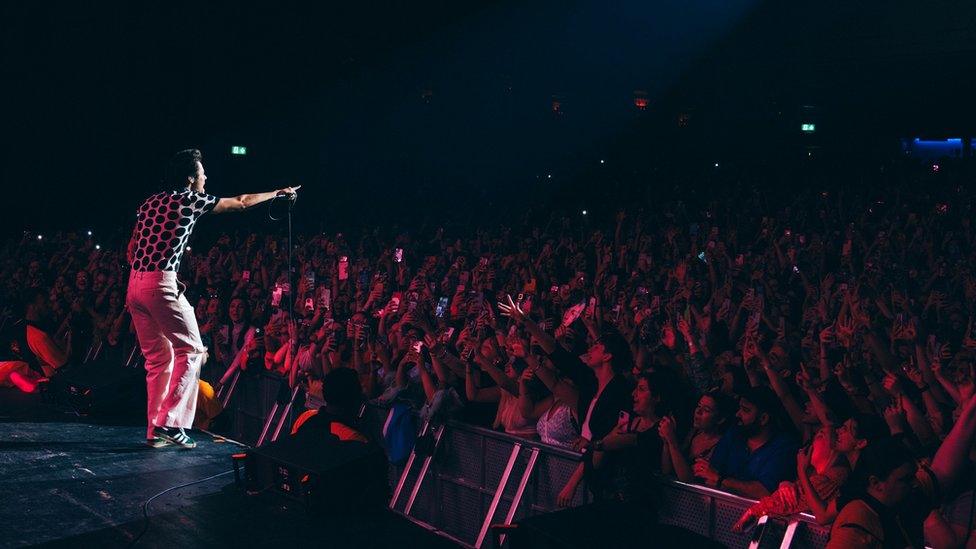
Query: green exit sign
x=238, y=150
x=809, y=128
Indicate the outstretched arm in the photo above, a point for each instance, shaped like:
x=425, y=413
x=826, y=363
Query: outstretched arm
x=244, y=201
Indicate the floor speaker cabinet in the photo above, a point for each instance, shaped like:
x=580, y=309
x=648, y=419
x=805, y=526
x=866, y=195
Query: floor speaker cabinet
x=323, y=473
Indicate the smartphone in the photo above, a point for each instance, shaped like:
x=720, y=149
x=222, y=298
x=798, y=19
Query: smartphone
x=343, y=268
x=554, y=289
x=447, y=334
x=309, y=304
x=276, y=296
x=796, y=269
x=398, y=255
x=641, y=290
x=740, y=260
x=701, y=257
x=246, y=276
x=441, y=307
x=483, y=262
x=310, y=278
x=325, y=298
x=418, y=346
x=591, y=308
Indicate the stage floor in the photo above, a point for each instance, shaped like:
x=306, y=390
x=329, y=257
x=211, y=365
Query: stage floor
x=70, y=481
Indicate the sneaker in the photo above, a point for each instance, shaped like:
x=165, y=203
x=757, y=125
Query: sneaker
x=176, y=436
x=157, y=442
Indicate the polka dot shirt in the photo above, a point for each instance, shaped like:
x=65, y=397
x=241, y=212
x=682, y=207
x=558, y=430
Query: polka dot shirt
x=164, y=223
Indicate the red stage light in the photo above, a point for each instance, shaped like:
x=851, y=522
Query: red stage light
x=640, y=100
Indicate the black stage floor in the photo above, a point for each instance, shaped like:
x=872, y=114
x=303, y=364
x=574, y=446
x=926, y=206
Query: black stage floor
x=67, y=481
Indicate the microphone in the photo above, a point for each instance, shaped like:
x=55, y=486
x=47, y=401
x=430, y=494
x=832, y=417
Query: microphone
x=292, y=196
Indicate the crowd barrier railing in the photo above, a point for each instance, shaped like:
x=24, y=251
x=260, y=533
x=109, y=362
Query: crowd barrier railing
x=477, y=478
x=470, y=485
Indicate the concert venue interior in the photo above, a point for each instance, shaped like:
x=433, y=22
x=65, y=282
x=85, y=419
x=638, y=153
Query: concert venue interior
x=507, y=274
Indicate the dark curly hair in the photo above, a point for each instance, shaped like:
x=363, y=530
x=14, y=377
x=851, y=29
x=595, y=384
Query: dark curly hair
x=181, y=166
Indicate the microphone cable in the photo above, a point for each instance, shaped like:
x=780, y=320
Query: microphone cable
x=145, y=506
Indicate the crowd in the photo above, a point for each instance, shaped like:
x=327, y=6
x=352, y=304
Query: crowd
x=814, y=351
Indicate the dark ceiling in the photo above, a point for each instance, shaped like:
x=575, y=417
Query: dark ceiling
x=360, y=100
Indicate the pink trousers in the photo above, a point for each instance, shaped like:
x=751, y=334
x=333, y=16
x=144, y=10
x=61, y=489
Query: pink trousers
x=170, y=341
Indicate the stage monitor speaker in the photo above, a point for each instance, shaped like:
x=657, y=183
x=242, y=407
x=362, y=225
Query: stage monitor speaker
x=324, y=473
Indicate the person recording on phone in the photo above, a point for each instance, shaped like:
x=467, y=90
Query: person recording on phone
x=165, y=324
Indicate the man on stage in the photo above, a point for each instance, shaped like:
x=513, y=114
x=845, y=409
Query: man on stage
x=162, y=316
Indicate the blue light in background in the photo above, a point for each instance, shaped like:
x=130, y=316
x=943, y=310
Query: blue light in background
x=933, y=148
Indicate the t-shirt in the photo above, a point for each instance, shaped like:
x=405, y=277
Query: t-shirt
x=163, y=226
x=769, y=464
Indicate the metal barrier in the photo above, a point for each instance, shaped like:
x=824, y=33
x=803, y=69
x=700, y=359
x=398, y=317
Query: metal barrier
x=469, y=487
x=711, y=513
x=255, y=402
x=477, y=478
x=471, y=482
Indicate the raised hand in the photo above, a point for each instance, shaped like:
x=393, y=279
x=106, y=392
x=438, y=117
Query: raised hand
x=511, y=309
x=894, y=417
x=892, y=384
x=827, y=335
x=914, y=375
x=845, y=331
x=684, y=328
x=666, y=429
x=293, y=331
x=802, y=460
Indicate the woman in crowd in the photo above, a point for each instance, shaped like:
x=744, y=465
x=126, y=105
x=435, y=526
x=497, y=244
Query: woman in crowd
x=712, y=416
